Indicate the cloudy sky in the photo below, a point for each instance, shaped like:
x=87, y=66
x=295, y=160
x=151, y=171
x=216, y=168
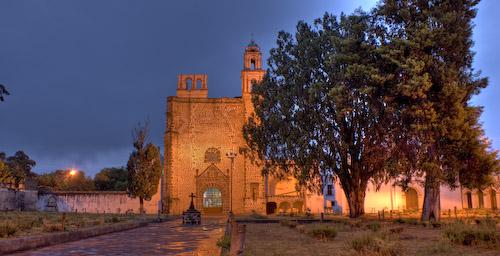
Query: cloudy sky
x=83, y=73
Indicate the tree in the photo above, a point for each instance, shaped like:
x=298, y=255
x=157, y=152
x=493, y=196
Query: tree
x=20, y=166
x=323, y=107
x=429, y=44
x=111, y=179
x=144, y=167
x=6, y=176
x=3, y=92
x=63, y=180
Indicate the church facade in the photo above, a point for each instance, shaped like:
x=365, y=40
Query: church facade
x=205, y=152
x=206, y=159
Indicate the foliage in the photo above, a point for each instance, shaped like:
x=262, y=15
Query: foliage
x=3, y=92
x=7, y=229
x=439, y=137
x=61, y=180
x=224, y=242
x=144, y=167
x=111, y=179
x=466, y=234
x=15, y=169
x=322, y=108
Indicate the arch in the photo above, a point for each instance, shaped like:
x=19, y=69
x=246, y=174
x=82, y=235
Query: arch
x=253, y=64
x=189, y=84
x=411, y=199
x=199, y=84
x=212, y=200
x=493, y=198
x=271, y=207
x=480, y=198
x=468, y=196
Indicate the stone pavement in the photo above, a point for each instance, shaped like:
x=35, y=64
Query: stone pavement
x=166, y=238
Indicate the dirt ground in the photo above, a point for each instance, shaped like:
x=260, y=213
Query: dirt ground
x=275, y=239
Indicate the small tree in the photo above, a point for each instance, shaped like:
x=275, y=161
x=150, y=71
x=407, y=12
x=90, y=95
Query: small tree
x=144, y=167
x=3, y=92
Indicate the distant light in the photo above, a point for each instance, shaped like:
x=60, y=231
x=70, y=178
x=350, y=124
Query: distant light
x=73, y=172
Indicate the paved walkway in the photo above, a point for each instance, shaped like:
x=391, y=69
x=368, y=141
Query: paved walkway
x=167, y=238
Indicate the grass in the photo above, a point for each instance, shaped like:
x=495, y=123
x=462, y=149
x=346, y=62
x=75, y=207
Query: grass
x=484, y=233
x=367, y=237
x=18, y=224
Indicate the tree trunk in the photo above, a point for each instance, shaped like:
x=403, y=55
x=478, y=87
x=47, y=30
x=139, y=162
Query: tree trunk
x=432, y=206
x=141, y=207
x=356, y=200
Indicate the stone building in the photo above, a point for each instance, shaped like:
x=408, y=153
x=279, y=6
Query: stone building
x=205, y=150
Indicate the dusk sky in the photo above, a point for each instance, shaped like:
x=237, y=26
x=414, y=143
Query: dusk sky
x=82, y=74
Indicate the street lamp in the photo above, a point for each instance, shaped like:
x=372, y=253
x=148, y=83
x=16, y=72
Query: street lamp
x=231, y=155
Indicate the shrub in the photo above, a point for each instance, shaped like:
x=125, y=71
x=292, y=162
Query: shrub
x=469, y=235
x=224, y=242
x=373, y=226
x=324, y=232
x=7, y=229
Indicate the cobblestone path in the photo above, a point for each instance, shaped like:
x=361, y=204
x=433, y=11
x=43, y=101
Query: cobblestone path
x=167, y=238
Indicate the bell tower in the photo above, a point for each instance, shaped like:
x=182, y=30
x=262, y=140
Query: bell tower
x=252, y=68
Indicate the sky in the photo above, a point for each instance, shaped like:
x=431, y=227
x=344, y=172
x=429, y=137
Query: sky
x=82, y=74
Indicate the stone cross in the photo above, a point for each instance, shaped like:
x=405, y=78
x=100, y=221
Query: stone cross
x=192, y=204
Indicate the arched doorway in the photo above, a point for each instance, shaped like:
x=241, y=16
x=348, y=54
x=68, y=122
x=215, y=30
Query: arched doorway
x=480, y=198
x=212, y=201
x=411, y=199
x=469, y=199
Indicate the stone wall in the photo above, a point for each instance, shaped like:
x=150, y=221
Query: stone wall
x=94, y=202
x=17, y=200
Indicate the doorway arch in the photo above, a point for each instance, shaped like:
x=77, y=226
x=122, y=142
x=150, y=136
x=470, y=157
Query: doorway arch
x=212, y=200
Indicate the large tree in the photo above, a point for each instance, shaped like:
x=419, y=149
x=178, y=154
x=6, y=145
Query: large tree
x=114, y=179
x=429, y=44
x=3, y=92
x=144, y=167
x=323, y=107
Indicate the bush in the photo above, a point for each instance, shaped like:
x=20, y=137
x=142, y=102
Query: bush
x=324, y=232
x=373, y=226
x=224, y=242
x=469, y=235
x=7, y=229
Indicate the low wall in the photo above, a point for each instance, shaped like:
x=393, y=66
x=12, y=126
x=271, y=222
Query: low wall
x=18, y=200
x=93, y=202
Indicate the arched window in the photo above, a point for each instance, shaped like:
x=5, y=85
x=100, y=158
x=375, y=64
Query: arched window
x=252, y=64
x=212, y=198
x=469, y=199
x=189, y=84
x=480, y=197
x=199, y=84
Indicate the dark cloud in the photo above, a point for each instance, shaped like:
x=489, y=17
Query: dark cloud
x=82, y=74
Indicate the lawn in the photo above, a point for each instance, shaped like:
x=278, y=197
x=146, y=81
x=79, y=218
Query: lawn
x=17, y=224
x=373, y=237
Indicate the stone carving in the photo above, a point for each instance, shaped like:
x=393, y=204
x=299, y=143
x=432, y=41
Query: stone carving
x=212, y=155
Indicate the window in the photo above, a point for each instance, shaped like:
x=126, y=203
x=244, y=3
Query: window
x=469, y=200
x=212, y=198
x=329, y=190
x=252, y=64
x=480, y=198
x=189, y=84
x=493, y=196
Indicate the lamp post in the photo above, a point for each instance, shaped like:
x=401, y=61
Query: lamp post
x=231, y=155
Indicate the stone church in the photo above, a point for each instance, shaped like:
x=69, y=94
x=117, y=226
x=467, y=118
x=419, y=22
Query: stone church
x=205, y=150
